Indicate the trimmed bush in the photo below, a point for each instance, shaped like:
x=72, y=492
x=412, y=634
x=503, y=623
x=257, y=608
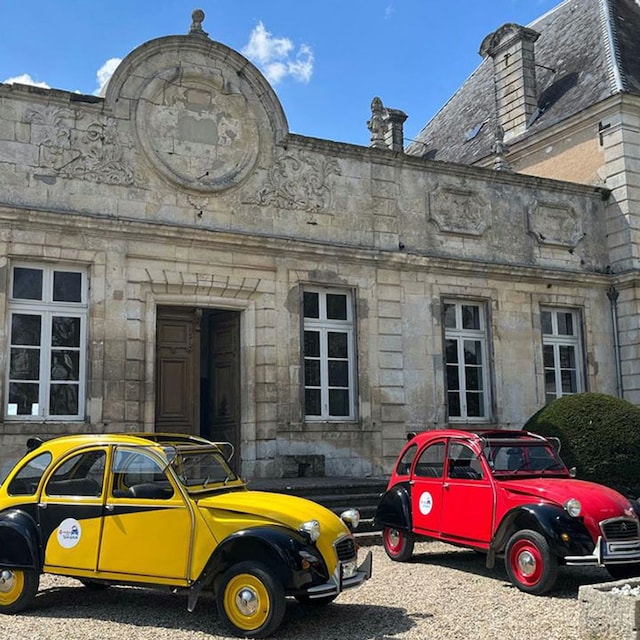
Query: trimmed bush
x=600, y=436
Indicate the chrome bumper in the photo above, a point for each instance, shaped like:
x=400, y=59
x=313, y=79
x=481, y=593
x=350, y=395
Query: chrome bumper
x=343, y=579
x=605, y=553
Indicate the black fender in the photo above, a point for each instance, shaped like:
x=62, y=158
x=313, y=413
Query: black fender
x=296, y=561
x=394, y=508
x=19, y=541
x=551, y=521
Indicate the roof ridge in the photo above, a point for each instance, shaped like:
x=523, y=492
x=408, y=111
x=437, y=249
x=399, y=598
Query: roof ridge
x=614, y=61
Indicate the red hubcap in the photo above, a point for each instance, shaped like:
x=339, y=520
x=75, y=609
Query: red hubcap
x=393, y=539
x=526, y=562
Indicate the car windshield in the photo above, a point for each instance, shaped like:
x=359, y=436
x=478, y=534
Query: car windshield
x=507, y=457
x=200, y=468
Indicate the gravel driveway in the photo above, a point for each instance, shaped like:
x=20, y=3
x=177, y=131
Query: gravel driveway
x=443, y=593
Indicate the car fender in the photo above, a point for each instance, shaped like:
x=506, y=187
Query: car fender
x=19, y=542
x=550, y=520
x=288, y=553
x=394, y=508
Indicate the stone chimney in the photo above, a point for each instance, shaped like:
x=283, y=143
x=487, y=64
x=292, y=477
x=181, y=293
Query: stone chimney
x=514, y=70
x=386, y=126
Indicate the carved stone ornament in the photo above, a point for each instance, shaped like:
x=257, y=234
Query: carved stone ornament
x=71, y=147
x=555, y=224
x=299, y=181
x=197, y=129
x=459, y=211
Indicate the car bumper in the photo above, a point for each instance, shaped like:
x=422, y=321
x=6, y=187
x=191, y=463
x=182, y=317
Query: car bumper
x=605, y=553
x=344, y=577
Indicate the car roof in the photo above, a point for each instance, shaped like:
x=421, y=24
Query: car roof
x=477, y=435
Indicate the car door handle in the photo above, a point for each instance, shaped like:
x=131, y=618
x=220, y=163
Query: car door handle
x=445, y=485
x=42, y=505
x=108, y=507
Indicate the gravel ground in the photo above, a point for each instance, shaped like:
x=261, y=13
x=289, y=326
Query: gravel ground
x=443, y=593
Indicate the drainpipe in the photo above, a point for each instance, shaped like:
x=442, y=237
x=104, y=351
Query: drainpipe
x=613, y=294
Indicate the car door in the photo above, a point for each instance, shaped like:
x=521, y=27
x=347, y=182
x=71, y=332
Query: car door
x=70, y=510
x=426, y=488
x=148, y=524
x=467, y=496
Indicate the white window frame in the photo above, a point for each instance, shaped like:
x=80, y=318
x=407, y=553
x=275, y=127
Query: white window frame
x=324, y=326
x=557, y=341
x=459, y=334
x=47, y=308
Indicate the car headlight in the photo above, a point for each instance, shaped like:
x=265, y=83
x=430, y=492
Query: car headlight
x=312, y=529
x=351, y=517
x=573, y=507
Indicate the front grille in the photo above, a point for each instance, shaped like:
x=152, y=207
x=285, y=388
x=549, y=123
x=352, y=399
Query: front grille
x=346, y=549
x=619, y=529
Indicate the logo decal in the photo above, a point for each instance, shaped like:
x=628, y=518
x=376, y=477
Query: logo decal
x=426, y=503
x=69, y=533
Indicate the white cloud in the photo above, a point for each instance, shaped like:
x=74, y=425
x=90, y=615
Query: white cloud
x=104, y=73
x=277, y=57
x=25, y=78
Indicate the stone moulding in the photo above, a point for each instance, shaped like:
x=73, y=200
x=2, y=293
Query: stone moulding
x=555, y=224
x=459, y=211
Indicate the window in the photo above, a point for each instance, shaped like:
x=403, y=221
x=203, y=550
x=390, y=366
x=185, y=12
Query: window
x=430, y=464
x=463, y=463
x=80, y=475
x=467, y=374
x=47, y=343
x=329, y=359
x=561, y=353
x=26, y=481
x=137, y=475
x=404, y=464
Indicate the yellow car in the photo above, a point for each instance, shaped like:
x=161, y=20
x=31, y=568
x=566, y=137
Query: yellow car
x=167, y=511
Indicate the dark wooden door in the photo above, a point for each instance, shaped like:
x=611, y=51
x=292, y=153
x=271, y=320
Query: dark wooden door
x=224, y=379
x=177, y=377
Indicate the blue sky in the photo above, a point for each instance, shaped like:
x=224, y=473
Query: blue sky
x=326, y=59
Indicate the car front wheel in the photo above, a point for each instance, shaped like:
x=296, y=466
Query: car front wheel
x=251, y=600
x=398, y=543
x=529, y=562
x=18, y=589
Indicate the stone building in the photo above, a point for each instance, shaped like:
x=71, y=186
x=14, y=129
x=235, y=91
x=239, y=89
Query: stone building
x=173, y=258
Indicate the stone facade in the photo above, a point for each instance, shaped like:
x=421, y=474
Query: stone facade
x=183, y=189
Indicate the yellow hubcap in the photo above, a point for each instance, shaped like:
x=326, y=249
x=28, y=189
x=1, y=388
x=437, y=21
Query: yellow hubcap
x=246, y=602
x=11, y=586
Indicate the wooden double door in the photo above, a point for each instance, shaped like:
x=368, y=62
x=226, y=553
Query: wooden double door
x=198, y=373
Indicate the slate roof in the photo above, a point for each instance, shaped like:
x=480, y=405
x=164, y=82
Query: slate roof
x=588, y=50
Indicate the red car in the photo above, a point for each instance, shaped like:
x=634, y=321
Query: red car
x=507, y=493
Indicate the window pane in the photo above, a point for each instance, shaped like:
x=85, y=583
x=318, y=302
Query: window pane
x=547, y=327
x=311, y=304
x=453, y=398
x=312, y=344
x=312, y=402
x=312, y=373
x=565, y=323
x=65, y=332
x=547, y=356
x=26, y=481
x=550, y=381
x=473, y=378
x=470, y=317
x=449, y=316
x=404, y=465
x=23, y=399
x=67, y=286
x=338, y=373
x=431, y=462
x=24, y=364
x=451, y=351
x=65, y=365
x=567, y=357
x=568, y=381
x=338, y=402
x=63, y=400
x=25, y=329
x=453, y=380
x=473, y=352
x=27, y=284
x=337, y=345
x=475, y=405
x=336, y=306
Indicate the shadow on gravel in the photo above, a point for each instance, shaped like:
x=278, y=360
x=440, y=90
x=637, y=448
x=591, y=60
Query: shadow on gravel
x=569, y=578
x=164, y=610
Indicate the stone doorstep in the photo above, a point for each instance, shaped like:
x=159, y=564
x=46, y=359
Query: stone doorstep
x=609, y=616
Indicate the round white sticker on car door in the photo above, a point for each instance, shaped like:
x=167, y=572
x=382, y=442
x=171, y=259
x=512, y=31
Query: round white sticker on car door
x=426, y=503
x=69, y=533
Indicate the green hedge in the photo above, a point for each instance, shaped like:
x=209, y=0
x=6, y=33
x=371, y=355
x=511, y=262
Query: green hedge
x=600, y=436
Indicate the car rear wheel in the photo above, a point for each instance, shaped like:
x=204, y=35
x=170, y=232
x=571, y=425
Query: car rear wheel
x=529, y=562
x=624, y=571
x=251, y=600
x=398, y=543
x=18, y=589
